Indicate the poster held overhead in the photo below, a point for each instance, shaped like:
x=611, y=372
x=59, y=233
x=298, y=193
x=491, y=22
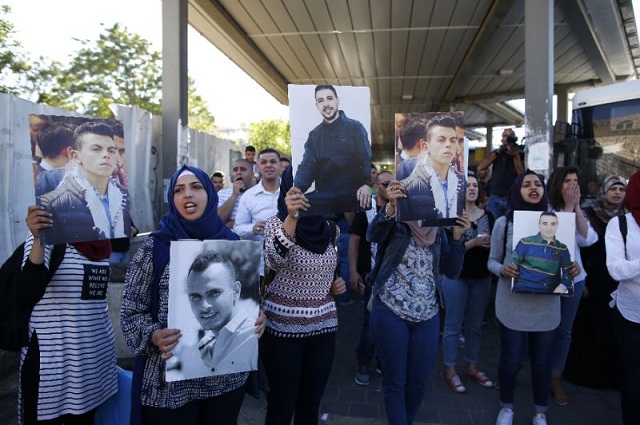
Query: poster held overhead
x=332, y=159
x=431, y=165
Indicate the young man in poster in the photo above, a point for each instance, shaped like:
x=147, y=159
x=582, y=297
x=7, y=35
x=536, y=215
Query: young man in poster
x=543, y=262
x=337, y=157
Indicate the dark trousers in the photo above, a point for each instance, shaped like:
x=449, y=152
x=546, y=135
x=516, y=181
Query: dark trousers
x=366, y=349
x=220, y=410
x=29, y=384
x=298, y=370
x=513, y=344
x=627, y=335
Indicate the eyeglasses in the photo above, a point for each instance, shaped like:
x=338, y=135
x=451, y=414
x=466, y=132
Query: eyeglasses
x=386, y=183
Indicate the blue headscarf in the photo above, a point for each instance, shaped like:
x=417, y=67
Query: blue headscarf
x=210, y=226
x=515, y=201
x=312, y=232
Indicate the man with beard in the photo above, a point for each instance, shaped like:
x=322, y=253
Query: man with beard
x=337, y=157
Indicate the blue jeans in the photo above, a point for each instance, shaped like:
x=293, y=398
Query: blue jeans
x=497, y=205
x=407, y=351
x=513, y=344
x=568, y=310
x=465, y=300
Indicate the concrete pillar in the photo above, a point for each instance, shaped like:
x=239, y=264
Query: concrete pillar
x=538, y=52
x=174, y=83
x=562, y=106
x=489, y=147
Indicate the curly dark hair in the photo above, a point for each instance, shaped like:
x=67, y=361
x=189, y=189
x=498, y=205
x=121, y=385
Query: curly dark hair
x=554, y=186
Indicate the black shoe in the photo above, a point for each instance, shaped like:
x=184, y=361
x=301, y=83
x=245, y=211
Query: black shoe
x=362, y=375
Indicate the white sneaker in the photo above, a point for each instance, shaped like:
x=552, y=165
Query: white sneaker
x=505, y=417
x=539, y=419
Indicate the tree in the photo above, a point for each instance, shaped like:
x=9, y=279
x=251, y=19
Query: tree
x=118, y=67
x=13, y=64
x=270, y=134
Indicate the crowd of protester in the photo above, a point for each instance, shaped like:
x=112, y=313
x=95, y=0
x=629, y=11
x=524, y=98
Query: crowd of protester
x=414, y=277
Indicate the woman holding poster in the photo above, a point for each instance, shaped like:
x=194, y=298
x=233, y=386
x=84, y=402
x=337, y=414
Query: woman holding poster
x=404, y=305
x=216, y=399
x=302, y=320
x=69, y=329
x=523, y=317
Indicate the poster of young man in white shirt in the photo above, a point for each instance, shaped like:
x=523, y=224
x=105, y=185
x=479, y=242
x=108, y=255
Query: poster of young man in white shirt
x=213, y=292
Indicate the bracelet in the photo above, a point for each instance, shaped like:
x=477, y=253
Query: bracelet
x=386, y=214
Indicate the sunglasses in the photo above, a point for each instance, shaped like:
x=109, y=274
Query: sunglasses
x=386, y=183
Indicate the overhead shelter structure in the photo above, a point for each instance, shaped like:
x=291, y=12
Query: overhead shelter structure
x=422, y=55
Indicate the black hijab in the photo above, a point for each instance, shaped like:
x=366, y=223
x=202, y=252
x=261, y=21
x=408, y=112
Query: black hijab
x=515, y=202
x=312, y=232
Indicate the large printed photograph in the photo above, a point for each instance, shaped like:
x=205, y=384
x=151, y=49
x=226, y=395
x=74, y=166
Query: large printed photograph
x=213, y=300
x=80, y=177
x=543, y=256
x=330, y=146
x=431, y=163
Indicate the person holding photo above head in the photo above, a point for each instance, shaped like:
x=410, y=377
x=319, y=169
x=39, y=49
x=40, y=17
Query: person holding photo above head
x=301, y=317
x=467, y=297
x=431, y=181
x=404, y=317
x=523, y=318
x=215, y=399
x=593, y=359
x=564, y=196
x=89, y=204
x=68, y=368
x=337, y=157
x=623, y=263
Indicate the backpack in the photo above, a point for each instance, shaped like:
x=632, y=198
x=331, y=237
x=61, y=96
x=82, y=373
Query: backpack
x=16, y=303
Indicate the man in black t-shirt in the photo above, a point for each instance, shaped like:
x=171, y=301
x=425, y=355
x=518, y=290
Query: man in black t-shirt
x=361, y=260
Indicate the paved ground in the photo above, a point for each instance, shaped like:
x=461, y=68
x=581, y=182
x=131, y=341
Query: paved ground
x=346, y=403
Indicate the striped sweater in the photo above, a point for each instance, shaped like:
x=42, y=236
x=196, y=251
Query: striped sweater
x=75, y=337
x=298, y=302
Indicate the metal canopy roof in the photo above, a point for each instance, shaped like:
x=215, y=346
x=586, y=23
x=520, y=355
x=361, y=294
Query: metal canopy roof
x=418, y=55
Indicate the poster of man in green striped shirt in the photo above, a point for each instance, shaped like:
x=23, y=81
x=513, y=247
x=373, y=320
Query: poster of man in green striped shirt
x=543, y=261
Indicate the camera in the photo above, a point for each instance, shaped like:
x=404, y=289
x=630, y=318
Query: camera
x=512, y=139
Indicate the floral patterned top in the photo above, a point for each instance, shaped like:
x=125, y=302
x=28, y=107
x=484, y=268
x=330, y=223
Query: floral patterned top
x=410, y=291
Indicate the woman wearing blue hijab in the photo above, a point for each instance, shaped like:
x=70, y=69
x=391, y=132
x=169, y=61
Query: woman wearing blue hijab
x=217, y=399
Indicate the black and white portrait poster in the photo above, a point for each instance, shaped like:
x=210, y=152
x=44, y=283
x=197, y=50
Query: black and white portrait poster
x=431, y=163
x=81, y=177
x=543, y=251
x=330, y=146
x=213, y=301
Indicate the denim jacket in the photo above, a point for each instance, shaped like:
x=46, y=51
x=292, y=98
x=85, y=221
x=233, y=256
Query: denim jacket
x=393, y=238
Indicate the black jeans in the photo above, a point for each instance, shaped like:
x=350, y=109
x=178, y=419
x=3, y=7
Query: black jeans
x=298, y=370
x=220, y=410
x=627, y=335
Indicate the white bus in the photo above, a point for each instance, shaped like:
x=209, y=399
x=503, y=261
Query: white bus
x=604, y=136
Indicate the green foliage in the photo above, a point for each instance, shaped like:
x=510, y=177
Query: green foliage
x=271, y=134
x=119, y=67
x=13, y=64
